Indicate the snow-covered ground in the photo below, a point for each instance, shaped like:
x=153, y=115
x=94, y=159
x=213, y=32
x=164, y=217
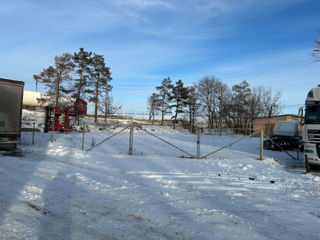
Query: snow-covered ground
x=56, y=191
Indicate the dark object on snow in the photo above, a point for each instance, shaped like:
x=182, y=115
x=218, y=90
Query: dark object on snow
x=277, y=143
x=251, y=178
x=272, y=181
x=13, y=153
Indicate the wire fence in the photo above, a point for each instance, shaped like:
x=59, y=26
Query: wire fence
x=111, y=129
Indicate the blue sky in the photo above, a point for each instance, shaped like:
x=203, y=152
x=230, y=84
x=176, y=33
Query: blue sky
x=267, y=43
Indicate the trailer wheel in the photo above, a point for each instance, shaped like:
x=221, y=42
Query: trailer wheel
x=267, y=144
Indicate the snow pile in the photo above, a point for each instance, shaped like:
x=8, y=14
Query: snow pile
x=57, y=191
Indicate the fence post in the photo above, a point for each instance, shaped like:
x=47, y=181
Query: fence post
x=198, y=143
x=51, y=132
x=131, y=140
x=34, y=126
x=261, y=144
x=307, y=163
x=82, y=145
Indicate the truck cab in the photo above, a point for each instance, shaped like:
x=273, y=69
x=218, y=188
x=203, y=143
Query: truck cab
x=311, y=131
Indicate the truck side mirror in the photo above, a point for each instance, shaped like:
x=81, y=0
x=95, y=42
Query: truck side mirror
x=300, y=114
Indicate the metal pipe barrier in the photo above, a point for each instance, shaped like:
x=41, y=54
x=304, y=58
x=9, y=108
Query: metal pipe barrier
x=228, y=145
x=107, y=139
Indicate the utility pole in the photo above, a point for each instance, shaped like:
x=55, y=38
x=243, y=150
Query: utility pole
x=269, y=122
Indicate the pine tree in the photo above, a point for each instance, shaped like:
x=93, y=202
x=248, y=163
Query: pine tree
x=100, y=76
x=55, y=77
x=178, y=97
x=164, y=93
x=153, y=106
x=82, y=61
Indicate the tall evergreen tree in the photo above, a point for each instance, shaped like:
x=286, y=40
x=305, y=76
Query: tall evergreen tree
x=55, y=77
x=153, y=106
x=82, y=61
x=100, y=76
x=178, y=99
x=164, y=93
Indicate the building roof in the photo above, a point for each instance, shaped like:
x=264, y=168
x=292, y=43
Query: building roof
x=282, y=115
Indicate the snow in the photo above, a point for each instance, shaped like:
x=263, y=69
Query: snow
x=57, y=191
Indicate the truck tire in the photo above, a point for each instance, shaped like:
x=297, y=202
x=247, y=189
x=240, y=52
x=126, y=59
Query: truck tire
x=267, y=144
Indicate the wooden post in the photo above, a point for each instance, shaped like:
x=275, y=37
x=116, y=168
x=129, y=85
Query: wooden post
x=261, y=144
x=131, y=140
x=51, y=132
x=198, y=143
x=34, y=126
x=307, y=163
x=82, y=145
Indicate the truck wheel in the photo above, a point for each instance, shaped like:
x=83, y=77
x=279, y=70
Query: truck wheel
x=267, y=144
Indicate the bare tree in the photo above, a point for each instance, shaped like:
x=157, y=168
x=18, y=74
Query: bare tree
x=271, y=103
x=193, y=106
x=209, y=89
x=107, y=105
x=255, y=104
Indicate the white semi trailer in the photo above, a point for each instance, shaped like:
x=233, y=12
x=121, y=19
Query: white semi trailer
x=11, y=95
x=311, y=131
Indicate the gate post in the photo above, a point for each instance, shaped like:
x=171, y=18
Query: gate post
x=307, y=163
x=198, y=143
x=82, y=144
x=131, y=140
x=33, y=130
x=51, y=132
x=261, y=145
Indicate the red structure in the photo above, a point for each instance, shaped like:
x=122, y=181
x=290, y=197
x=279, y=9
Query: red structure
x=53, y=115
x=80, y=107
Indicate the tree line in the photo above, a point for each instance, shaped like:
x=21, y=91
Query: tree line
x=212, y=100
x=81, y=75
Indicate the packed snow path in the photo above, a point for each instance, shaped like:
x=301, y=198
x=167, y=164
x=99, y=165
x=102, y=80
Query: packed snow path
x=56, y=191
